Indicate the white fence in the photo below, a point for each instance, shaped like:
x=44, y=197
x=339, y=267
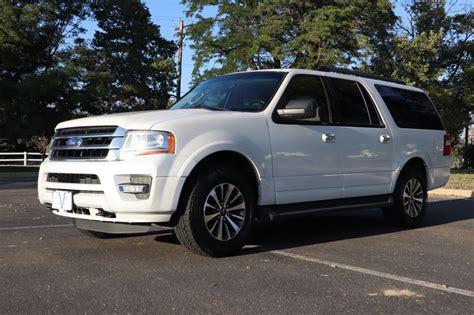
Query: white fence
x=20, y=158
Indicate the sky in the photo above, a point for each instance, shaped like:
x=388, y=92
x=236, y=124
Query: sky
x=167, y=13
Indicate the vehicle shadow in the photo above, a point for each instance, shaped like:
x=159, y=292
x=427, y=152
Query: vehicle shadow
x=342, y=225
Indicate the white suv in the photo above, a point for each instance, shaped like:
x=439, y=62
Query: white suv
x=246, y=146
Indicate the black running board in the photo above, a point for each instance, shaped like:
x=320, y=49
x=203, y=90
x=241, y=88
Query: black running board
x=271, y=213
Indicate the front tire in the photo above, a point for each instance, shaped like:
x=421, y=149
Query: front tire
x=218, y=213
x=410, y=199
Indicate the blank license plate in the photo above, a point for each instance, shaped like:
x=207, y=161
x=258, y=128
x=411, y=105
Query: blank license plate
x=62, y=200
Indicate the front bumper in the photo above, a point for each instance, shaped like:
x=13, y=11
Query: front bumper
x=105, y=197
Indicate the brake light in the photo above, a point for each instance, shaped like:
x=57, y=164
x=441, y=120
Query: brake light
x=447, y=146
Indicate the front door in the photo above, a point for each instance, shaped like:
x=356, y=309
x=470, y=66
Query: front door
x=307, y=153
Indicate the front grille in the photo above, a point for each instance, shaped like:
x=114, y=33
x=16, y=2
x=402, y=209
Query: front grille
x=87, y=143
x=80, y=154
x=73, y=178
x=86, y=130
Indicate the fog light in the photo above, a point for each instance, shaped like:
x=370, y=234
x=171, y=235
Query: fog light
x=133, y=188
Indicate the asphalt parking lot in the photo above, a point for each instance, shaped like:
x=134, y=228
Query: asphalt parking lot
x=348, y=262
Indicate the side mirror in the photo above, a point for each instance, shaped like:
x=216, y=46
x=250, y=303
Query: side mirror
x=298, y=109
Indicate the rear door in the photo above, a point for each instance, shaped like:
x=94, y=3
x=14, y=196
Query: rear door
x=307, y=154
x=366, y=141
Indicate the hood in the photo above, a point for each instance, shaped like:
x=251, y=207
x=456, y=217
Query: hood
x=137, y=120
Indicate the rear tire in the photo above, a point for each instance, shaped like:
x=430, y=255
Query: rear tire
x=218, y=213
x=409, y=199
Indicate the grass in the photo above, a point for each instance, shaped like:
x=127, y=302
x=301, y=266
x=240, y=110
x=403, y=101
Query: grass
x=461, y=180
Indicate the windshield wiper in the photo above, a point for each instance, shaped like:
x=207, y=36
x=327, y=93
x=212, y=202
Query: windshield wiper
x=209, y=107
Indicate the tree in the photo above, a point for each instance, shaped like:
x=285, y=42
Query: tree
x=40, y=143
x=35, y=84
x=432, y=48
x=129, y=66
x=453, y=60
x=277, y=33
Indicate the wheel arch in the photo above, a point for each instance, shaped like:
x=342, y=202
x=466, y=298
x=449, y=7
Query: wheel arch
x=226, y=157
x=417, y=162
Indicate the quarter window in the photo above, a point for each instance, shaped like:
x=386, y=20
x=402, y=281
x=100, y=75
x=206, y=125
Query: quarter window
x=410, y=109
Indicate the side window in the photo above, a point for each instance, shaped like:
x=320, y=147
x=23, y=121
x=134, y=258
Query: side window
x=351, y=103
x=374, y=115
x=410, y=109
x=307, y=87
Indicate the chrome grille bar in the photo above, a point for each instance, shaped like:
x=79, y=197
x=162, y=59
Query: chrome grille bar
x=87, y=143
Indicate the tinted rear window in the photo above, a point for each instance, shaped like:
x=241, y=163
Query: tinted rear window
x=352, y=107
x=410, y=109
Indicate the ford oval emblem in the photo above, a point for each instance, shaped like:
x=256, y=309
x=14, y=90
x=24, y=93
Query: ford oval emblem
x=74, y=142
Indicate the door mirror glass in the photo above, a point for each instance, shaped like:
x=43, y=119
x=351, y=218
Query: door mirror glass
x=298, y=109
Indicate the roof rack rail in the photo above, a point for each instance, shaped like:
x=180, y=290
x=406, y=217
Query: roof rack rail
x=358, y=74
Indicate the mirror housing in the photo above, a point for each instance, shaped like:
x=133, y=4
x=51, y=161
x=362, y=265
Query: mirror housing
x=298, y=109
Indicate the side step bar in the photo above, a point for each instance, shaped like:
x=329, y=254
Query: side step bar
x=272, y=213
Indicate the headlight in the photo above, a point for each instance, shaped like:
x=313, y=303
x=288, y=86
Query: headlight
x=147, y=142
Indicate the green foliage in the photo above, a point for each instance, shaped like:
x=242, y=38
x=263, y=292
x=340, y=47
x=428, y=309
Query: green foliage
x=275, y=33
x=48, y=73
x=39, y=143
x=35, y=86
x=129, y=65
x=5, y=146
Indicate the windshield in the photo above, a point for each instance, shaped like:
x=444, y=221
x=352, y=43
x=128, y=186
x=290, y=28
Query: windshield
x=247, y=92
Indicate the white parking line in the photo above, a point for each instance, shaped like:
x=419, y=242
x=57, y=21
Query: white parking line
x=422, y=283
x=35, y=227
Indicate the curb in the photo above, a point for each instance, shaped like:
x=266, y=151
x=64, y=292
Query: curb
x=453, y=192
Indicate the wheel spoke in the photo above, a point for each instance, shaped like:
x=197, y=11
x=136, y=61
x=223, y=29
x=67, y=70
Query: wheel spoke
x=417, y=186
x=412, y=210
x=406, y=201
x=214, y=196
x=212, y=229
x=221, y=199
x=210, y=217
x=232, y=223
x=208, y=205
x=229, y=235
x=219, y=229
x=230, y=190
x=240, y=206
x=234, y=199
x=239, y=217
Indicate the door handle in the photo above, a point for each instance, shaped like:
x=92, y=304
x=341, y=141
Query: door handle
x=385, y=138
x=328, y=137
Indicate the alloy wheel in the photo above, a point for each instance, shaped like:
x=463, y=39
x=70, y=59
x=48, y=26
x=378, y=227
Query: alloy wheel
x=413, y=198
x=224, y=212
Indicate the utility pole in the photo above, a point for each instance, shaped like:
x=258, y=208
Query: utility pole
x=180, y=58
